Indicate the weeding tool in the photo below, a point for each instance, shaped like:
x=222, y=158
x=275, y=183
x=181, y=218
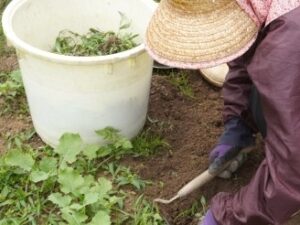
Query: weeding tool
x=199, y=181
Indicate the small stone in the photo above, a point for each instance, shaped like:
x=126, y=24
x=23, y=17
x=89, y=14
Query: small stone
x=213, y=96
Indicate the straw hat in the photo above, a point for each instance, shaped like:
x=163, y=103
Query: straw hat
x=199, y=33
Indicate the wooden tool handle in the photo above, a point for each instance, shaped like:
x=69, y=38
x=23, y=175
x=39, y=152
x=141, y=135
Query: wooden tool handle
x=206, y=176
x=196, y=183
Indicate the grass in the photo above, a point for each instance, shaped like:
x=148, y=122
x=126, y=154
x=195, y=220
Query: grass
x=12, y=94
x=146, y=214
x=180, y=80
x=197, y=210
x=123, y=176
x=147, y=143
x=19, y=140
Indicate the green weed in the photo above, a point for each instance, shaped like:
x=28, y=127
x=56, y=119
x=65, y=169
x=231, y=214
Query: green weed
x=19, y=140
x=12, y=93
x=124, y=176
x=180, y=80
x=198, y=209
x=61, y=186
x=146, y=214
x=147, y=143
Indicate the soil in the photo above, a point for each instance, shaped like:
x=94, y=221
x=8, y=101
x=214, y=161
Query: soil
x=8, y=63
x=191, y=126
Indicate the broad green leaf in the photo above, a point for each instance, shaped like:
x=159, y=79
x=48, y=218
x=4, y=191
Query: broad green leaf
x=102, y=188
x=114, y=200
x=104, y=185
x=126, y=144
x=73, y=217
x=104, y=151
x=48, y=165
x=88, y=181
x=113, y=136
x=16, y=76
x=109, y=133
x=90, y=198
x=37, y=176
x=76, y=206
x=60, y=200
x=101, y=218
x=19, y=159
x=122, y=142
x=70, y=181
x=70, y=145
x=90, y=151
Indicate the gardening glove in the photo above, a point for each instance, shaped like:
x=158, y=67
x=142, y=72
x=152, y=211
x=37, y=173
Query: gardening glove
x=208, y=219
x=236, y=136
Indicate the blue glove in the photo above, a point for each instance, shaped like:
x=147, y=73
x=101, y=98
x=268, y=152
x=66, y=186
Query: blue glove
x=236, y=136
x=208, y=219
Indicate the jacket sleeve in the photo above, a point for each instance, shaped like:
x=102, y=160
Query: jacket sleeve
x=273, y=195
x=236, y=89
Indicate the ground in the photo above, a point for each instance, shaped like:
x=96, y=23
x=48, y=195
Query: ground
x=190, y=125
x=187, y=113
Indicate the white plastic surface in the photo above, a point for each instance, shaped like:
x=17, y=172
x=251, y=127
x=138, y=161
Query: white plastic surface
x=80, y=94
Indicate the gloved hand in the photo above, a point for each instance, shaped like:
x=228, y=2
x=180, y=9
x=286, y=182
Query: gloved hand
x=208, y=219
x=236, y=136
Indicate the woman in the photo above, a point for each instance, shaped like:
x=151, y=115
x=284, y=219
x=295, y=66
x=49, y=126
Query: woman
x=261, y=40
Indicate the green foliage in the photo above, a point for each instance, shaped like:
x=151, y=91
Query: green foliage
x=17, y=158
x=198, y=210
x=12, y=85
x=146, y=214
x=69, y=147
x=18, y=140
x=181, y=81
x=63, y=186
x=102, y=217
x=124, y=176
x=12, y=92
x=60, y=200
x=70, y=181
x=115, y=138
x=95, y=42
x=147, y=144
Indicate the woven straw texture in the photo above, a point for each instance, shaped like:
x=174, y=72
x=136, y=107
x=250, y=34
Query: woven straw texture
x=198, y=33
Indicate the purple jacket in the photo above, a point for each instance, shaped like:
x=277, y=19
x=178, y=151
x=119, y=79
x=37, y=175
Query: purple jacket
x=273, y=66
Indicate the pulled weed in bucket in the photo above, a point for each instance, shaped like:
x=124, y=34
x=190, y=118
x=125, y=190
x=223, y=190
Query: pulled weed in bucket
x=95, y=42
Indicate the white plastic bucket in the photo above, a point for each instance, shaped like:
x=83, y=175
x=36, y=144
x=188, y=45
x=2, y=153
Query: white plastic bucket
x=80, y=94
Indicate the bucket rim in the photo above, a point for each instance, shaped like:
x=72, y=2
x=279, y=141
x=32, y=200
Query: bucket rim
x=20, y=45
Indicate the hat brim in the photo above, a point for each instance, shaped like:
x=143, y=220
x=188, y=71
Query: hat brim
x=199, y=40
